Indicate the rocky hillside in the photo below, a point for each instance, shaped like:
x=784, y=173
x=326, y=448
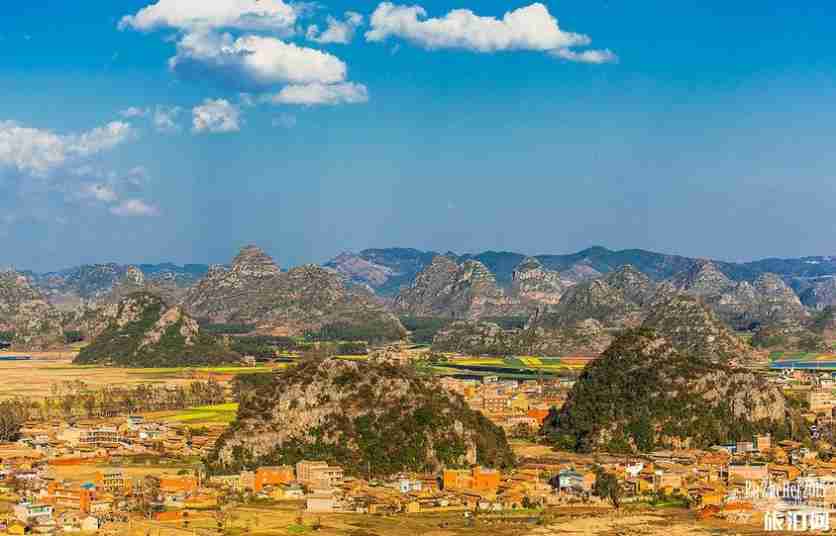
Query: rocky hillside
x=405, y=264
x=619, y=299
x=691, y=327
x=386, y=271
x=487, y=338
x=463, y=291
x=25, y=314
x=742, y=305
x=363, y=416
x=476, y=338
x=818, y=293
x=645, y=393
x=86, y=283
x=302, y=300
x=534, y=285
x=141, y=330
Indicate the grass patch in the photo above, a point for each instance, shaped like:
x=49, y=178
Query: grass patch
x=204, y=415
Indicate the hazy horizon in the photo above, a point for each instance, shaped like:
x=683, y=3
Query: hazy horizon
x=284, y=265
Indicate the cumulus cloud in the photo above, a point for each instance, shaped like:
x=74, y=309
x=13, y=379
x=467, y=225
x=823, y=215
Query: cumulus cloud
x=337, y=31
x=527, y=28
x=263, y=15
x=255, y=61
x=134, y=207
x=216, y=116
x=239, y=43
x=38, y=151
x=46, y=172
x=322, y=94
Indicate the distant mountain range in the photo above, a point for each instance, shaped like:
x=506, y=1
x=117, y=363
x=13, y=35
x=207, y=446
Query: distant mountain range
x=388, y=270
x=568, y=303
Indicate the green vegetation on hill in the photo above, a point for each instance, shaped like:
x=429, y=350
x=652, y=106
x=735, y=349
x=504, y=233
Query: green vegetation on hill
x=374, y=330
x=424, y=329
x=263, y=346
x=824, y=320
x=71, y=337
x=369, y=418
x=227, y=329
x=137, y=335
x=507, y=322
x=643, y=394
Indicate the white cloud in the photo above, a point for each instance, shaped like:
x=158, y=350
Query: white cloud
x=322, y=94
x=38, y=151
x=134, y=207
x=165, y=119
x=596, y=57
x=210, y=44
x=133, y=112
x=216, y=116
x=99, y=192
x=254, y=60
x=337, y=31
x=100, y=138
x=527, y=28
x=262, y=15
x=46, y=173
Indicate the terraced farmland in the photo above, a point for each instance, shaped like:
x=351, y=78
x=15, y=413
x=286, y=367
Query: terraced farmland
x=803, y=360
x=509, y=367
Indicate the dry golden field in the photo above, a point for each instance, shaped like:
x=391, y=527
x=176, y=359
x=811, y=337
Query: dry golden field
x=34, y=378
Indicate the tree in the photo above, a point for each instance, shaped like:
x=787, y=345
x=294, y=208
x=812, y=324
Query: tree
x=11, y=420
x=607, y=487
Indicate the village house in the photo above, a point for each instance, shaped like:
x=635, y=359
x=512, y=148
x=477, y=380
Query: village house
x=821, y=401
x=477, y=479
x=178, y=484
x=317, y=473
x=273, y=476
x=113, y=481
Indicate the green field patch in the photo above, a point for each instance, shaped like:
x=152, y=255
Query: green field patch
x=203, y=415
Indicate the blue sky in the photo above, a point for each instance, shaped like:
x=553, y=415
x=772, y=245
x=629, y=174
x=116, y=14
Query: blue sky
x=700, y=128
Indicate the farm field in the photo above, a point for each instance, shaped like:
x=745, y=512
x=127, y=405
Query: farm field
x=34, y=378
x=803, y=360
x=198, y=417
x=526, y=365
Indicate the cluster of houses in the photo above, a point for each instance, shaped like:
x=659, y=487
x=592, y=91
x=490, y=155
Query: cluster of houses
x=85, y=442
x=326, y=489
x=781, y=486
x=512, y=404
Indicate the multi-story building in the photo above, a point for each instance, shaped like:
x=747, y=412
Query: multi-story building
x=496, y=404
x=104, y=436
x=69, y=497
x=318, y=473
x=26, y=511
x=113, y=481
